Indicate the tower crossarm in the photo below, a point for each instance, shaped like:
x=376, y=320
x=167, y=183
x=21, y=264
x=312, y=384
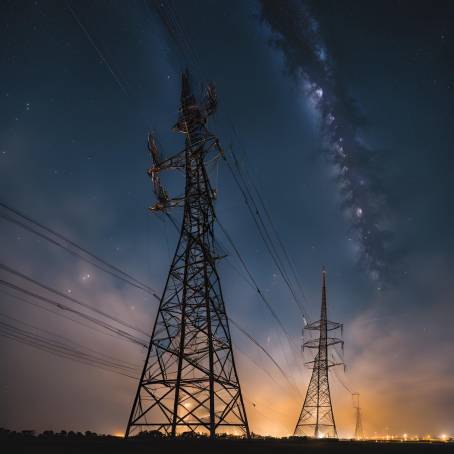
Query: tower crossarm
x=203, y=146
x=313, y=364
x=176, y=161
x=328, y=341
x=330, y=326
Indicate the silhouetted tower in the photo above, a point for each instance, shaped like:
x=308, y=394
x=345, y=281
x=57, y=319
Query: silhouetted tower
x=317, y=418
x=189, y=381
x=359, y=435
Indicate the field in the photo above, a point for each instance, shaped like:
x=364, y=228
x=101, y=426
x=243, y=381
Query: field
x=202, y=446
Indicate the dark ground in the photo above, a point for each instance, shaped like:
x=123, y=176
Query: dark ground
x=200, y=446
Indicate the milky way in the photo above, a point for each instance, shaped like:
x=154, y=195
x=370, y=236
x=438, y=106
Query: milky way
x=356, y=167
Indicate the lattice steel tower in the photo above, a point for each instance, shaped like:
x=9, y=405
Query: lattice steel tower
x=189, y=381
x=317, y=418
x=359, y=435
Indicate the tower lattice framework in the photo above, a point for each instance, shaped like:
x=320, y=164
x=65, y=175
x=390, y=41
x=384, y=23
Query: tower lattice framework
x=189, y=381
x=317, y=417
x=359, y=434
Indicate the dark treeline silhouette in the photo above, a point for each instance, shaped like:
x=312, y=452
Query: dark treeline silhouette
x=6, y=434
x=49, y=442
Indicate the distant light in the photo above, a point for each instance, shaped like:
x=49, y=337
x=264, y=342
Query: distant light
x=444, y=437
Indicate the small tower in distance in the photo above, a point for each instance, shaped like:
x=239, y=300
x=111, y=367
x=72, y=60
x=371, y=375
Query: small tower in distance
x=359, y=435
x=317, y=417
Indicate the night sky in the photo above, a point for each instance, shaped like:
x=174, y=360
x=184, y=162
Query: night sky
x=340, y=113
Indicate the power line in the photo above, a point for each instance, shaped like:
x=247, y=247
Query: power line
x=72, y=247
x=69, y=341
x=63, y=307
x=267, y=354
x=222, y=249
x=98, y=51
x=262, y=229
x=175, y=30
x=60, y=349
x=69, y=298
x=260, y=293
x=268, y=215
x=60, y=314
x=251, y=277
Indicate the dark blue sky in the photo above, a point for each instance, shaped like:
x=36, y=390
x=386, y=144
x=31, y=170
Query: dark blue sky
x=81, y=86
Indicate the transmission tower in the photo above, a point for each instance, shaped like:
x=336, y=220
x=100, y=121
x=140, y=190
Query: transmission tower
x=359, y=435
x=189, y=382
x=317, y=418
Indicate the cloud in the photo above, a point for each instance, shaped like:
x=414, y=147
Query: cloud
x=401, y=378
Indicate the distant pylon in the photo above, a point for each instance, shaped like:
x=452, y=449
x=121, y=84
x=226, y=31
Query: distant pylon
x=189, y=382
x=359, y=435
x=317, y=418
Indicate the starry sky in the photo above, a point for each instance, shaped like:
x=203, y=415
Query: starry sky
x=341, y=115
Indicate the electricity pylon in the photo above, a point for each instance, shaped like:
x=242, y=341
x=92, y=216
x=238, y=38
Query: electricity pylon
x=317, y=418
x=189, y=382
x=359, y=435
